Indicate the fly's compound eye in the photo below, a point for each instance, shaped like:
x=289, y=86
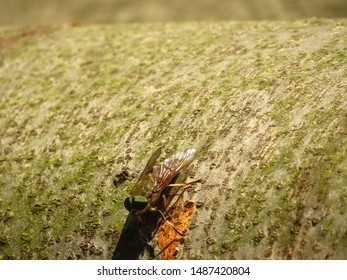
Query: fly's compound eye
x=128, y=203
x=135, y=203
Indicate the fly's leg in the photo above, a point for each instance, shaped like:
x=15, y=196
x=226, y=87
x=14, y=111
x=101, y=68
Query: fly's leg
x=185, y=184
x=167, y=246
x=185, y=187
x=169, y=223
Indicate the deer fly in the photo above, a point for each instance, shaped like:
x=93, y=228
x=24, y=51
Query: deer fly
x=155, y=179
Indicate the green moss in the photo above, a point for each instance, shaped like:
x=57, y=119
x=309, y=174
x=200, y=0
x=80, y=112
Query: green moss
x=282, y=107
x=76, y=112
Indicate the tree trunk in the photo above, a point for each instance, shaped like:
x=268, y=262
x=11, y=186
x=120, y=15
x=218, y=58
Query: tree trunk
x=82, y=109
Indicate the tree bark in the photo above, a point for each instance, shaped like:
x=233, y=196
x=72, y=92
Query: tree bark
x=82, y=109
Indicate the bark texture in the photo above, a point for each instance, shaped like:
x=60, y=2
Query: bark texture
x=83, y=107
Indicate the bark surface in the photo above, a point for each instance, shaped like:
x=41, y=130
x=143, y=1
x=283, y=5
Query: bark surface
x=83, y=107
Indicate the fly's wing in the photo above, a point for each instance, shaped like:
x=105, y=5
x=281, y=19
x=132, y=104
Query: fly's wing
x=151, y=162
x=148, y=169
x=171, y=167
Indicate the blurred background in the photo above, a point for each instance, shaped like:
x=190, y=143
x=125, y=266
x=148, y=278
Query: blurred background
x=34, y=12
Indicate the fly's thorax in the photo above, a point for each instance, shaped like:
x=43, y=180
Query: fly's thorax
x=146, y=187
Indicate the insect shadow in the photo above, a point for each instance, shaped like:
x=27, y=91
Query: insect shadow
x=131, y=244
x=135, y=237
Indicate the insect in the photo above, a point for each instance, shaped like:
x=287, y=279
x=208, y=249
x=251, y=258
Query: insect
x=154, y=180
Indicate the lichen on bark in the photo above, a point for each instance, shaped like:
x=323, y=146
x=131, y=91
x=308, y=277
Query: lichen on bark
x=264, y=102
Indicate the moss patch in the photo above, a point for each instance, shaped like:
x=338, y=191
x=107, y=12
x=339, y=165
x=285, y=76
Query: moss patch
x=263, y=101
